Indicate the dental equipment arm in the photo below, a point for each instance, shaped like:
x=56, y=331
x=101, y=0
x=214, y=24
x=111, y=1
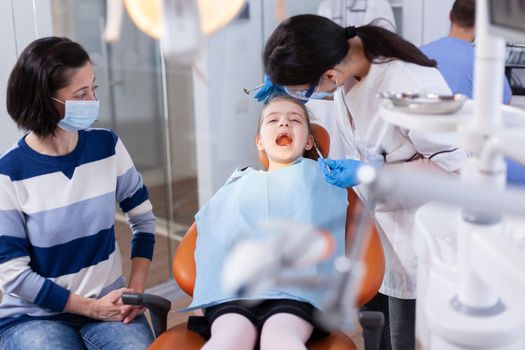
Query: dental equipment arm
x=254, y=265
x=510, y=144
x=114, y=15
x=428, y=186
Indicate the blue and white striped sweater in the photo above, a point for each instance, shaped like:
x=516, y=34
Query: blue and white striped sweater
x=57, y=223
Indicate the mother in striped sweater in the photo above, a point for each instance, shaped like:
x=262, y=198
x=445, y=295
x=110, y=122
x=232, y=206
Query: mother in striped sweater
x=60, y=268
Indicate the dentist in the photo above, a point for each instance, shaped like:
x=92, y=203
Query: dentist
x=312, y=57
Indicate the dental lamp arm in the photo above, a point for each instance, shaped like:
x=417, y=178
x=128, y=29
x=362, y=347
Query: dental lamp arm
x=114, y=14
x=510, y=144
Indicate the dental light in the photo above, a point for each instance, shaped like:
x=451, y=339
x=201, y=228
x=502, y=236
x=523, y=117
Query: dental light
x=147, y=15
x=179, y=24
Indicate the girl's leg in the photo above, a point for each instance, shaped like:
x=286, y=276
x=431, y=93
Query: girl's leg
x=285, y=331
x=231, y=331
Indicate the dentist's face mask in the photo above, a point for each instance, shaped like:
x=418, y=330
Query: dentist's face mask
x=79, y=115
x=312, y=93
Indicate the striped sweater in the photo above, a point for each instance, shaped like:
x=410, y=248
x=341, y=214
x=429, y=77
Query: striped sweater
x=57, y=216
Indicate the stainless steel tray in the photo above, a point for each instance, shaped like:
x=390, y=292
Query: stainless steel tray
x=427, y=103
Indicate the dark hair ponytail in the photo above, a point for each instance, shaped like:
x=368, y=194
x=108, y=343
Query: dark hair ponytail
x=381, y=45
x=303, y=47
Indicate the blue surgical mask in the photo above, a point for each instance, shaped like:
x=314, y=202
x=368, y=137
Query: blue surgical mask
x=79, y=115
x=321, y=95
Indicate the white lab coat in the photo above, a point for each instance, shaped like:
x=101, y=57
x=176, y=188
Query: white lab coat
x=395, y=219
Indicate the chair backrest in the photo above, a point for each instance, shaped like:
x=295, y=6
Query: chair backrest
x=184, y=270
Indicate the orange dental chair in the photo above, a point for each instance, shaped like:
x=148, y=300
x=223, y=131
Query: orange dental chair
x=179, y=337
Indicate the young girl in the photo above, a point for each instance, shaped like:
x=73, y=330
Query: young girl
x=292, y=189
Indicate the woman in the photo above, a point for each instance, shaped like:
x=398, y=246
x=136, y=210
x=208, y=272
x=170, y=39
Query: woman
x=313, y=57
x=60, y=269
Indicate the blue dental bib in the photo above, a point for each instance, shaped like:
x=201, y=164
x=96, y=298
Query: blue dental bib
x=297, y=193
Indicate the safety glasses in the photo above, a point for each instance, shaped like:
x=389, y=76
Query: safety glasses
x=312, y=92
x=301, y=94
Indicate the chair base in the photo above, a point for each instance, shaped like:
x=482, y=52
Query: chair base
x=180, y=337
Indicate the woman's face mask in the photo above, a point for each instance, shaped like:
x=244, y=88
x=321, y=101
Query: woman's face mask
x=79, y=115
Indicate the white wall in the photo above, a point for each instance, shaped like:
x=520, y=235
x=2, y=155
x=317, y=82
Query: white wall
x=425, y=20
x=20, y=23
x=225, y=117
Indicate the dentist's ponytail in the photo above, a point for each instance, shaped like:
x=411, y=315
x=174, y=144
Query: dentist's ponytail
x=381, y=45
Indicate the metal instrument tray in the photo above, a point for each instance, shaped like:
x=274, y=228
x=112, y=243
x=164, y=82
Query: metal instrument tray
x=427, y=103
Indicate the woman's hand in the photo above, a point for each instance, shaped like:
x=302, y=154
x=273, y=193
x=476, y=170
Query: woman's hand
x=110, y=307
x=132, y=312
x=341, y=173
x=137, y=280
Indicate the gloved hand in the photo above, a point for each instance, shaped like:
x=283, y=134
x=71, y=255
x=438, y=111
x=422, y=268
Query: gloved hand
x=269, y=90
x=341, y=173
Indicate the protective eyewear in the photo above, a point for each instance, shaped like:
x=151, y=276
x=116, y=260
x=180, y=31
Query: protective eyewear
x=312, y=93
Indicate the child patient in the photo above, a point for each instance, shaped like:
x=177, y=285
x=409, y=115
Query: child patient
x=292, y=189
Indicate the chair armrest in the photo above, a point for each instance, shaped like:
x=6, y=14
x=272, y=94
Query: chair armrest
x=157, y=306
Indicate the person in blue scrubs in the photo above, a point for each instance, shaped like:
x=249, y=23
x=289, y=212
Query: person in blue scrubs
x=455, y=58
x=455, y=53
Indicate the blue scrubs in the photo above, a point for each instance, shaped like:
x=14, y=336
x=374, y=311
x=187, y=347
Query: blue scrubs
x=455, y=59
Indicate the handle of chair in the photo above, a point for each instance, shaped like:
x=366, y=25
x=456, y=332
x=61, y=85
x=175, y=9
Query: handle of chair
x=157, y=306
x=373, y=322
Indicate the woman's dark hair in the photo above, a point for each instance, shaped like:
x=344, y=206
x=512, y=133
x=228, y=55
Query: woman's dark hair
x=463, y=13
x=44, y=67
x=308, y=153
x=303, y=47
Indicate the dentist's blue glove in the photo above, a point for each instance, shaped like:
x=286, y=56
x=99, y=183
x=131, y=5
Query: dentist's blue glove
x=268, y=90
x=341, y=173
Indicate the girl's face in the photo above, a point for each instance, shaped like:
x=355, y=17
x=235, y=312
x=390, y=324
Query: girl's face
x=283, y=133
